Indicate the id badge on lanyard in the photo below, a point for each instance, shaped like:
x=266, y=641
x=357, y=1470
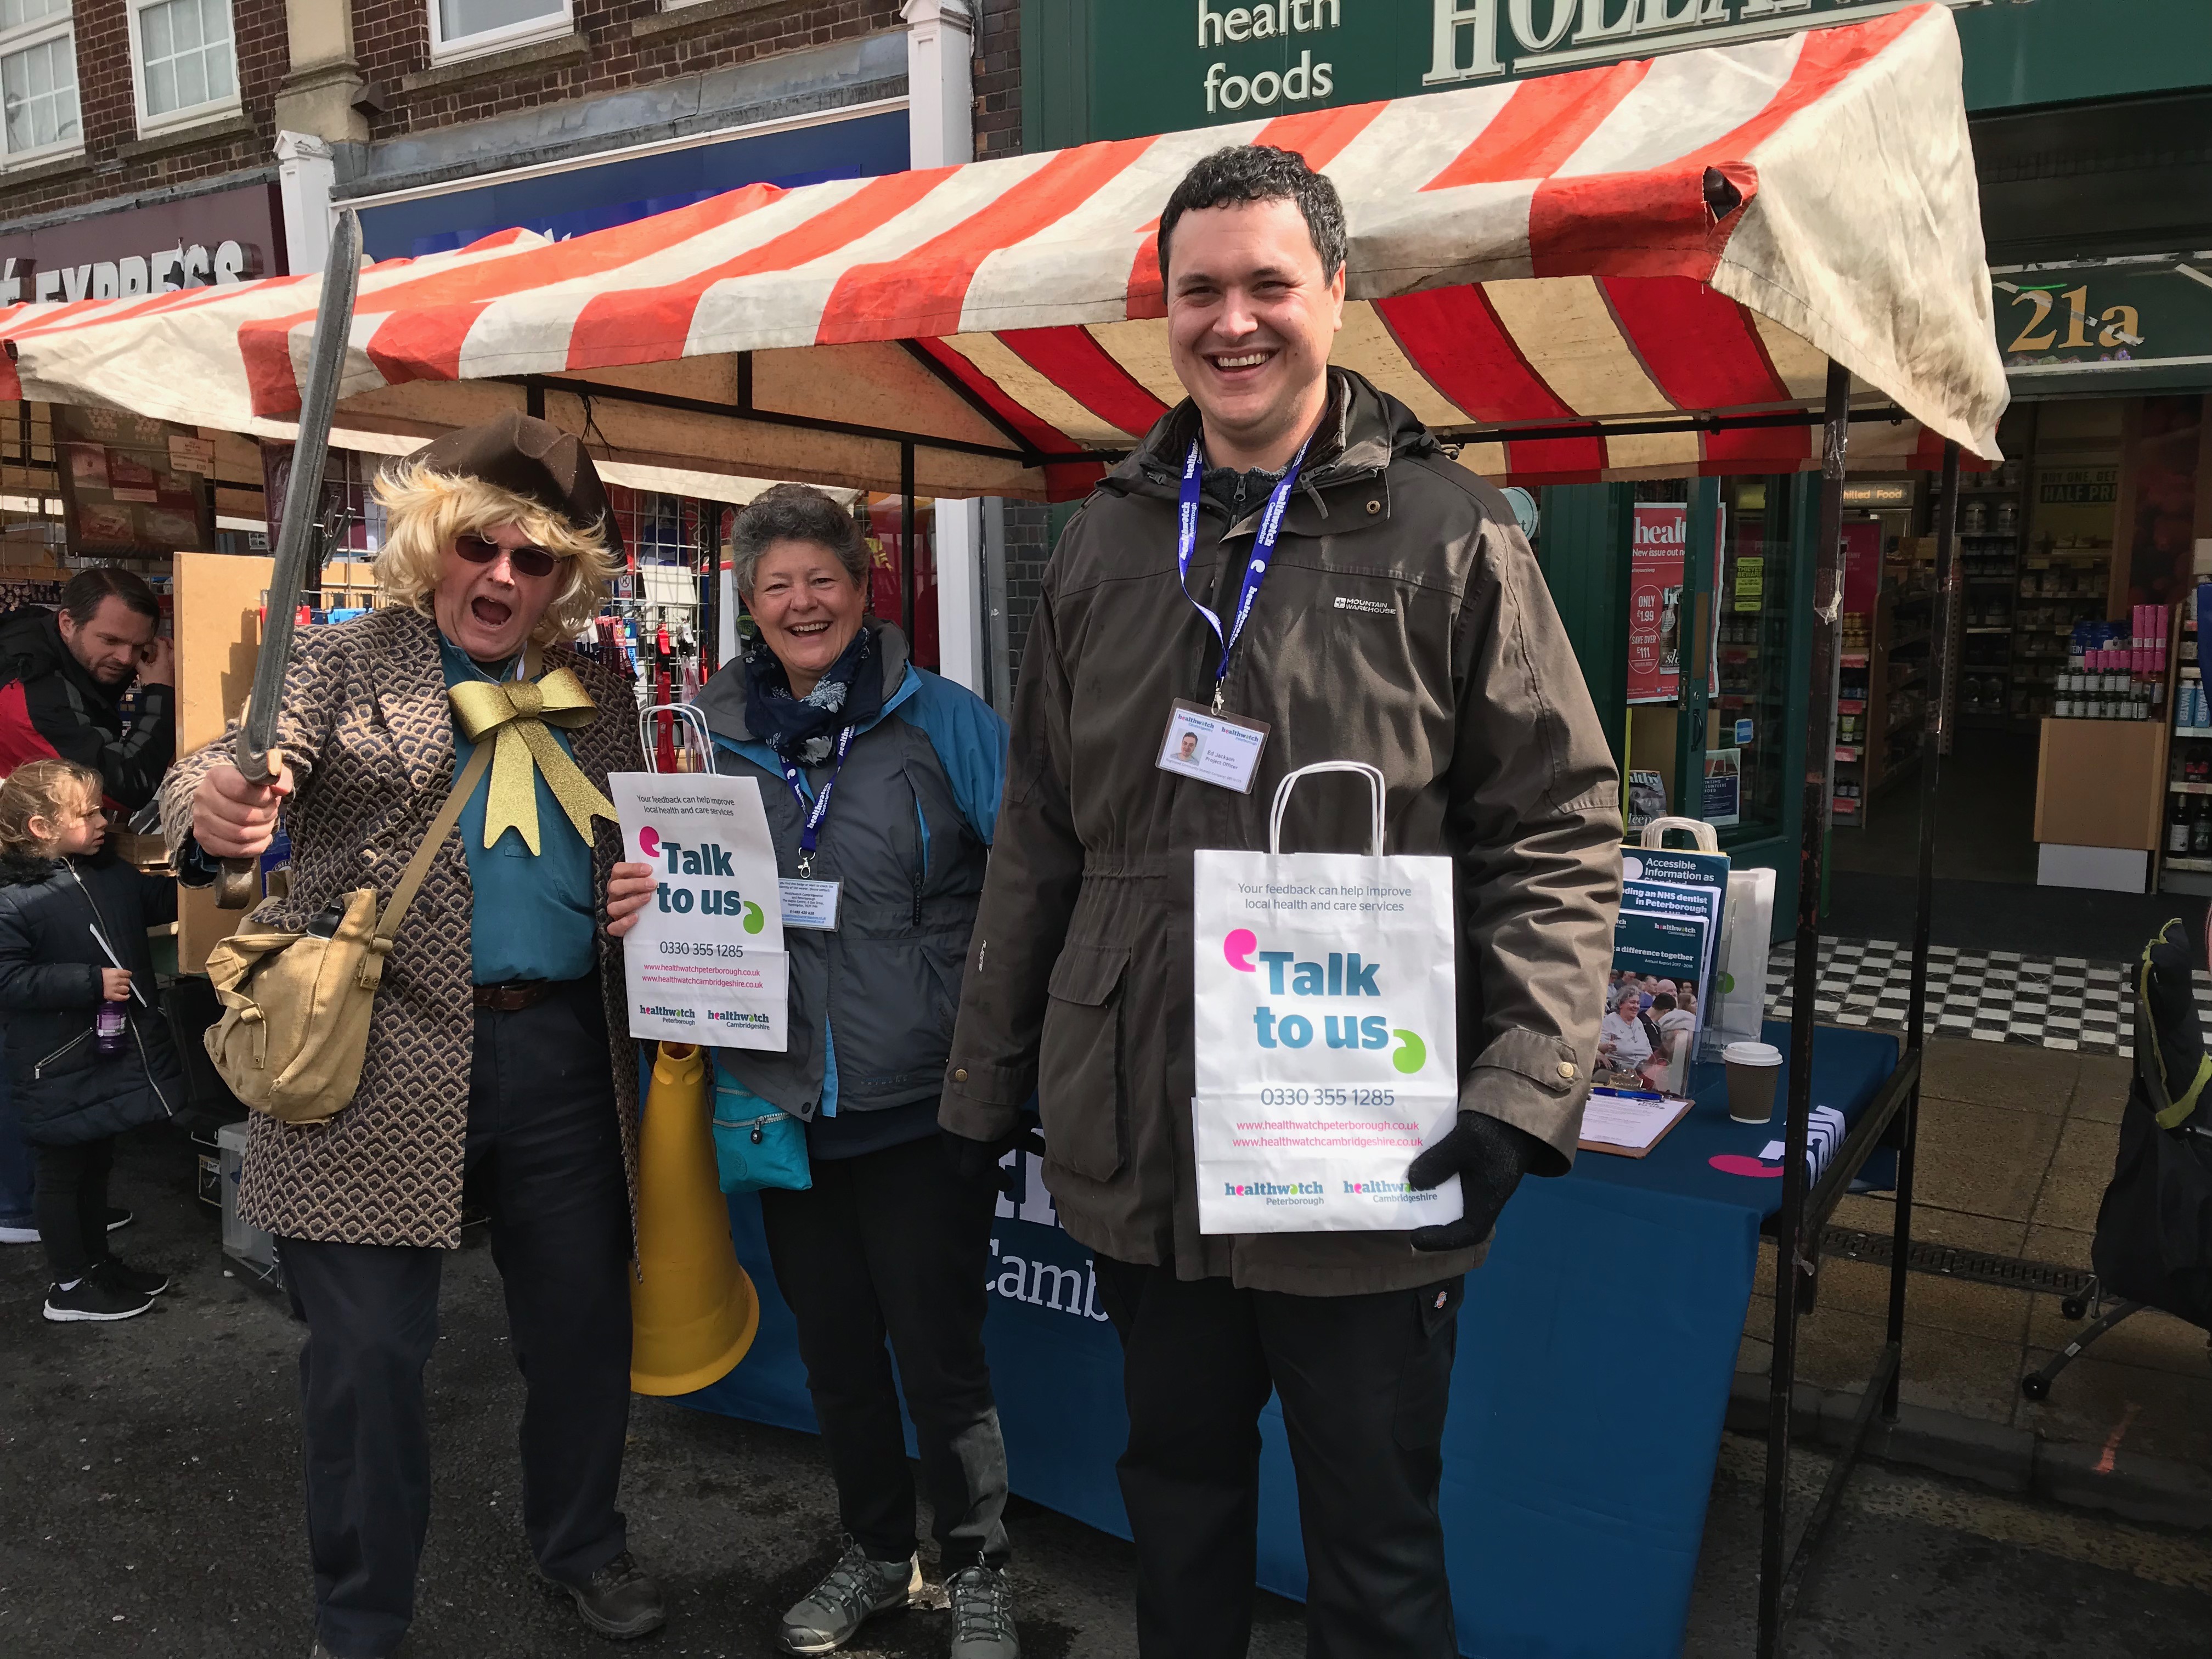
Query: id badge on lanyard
x=808, y=902
x=1211, y=745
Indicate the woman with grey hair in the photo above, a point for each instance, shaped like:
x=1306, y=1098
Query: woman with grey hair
x=881, y=782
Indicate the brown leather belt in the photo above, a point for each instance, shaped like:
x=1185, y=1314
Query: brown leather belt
x=515, y=995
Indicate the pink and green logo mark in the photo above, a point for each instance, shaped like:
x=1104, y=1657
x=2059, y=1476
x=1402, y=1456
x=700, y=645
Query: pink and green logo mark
x=1338, y=975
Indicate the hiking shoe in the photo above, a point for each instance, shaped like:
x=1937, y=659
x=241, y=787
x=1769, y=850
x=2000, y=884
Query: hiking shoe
x=856, y=1590
x=93, y=1297
x=118, y=1217
x=124, y=1277
x=620, y=1600
x=19, y=1230
x=982, y=1613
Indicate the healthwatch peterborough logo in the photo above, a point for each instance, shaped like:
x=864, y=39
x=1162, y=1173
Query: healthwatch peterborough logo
x=680, y=1015
x=1338, y=975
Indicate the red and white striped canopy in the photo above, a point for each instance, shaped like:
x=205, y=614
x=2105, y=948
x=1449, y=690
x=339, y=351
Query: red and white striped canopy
x=1524, y=257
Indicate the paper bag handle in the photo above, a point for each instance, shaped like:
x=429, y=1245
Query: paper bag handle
x=687, y=716
x=1375, y=783
x=1708, y=839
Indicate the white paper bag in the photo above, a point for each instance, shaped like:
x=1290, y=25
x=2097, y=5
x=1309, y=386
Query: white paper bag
x=1326, y=1034
x=706, y=961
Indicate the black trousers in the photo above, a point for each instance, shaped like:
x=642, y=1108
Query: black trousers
x=545, y=1157
x=1364, y=1381
x=893, y=1242
x=71, y=1206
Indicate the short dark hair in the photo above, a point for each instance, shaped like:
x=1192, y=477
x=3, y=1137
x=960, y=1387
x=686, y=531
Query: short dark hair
x=1663, y=1003
x=81, y=599
x=795, y=513
x=1243, y=173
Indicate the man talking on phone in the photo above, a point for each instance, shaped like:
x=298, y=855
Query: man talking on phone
x=1291, y=567
x=63, y=674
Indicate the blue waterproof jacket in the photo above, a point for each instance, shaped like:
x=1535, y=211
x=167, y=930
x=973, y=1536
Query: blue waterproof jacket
x=908, y=827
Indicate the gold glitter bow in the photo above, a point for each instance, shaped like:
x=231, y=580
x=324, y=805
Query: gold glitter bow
x=515, y=714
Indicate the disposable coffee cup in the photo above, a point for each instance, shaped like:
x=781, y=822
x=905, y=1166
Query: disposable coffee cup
x=1753, y=1068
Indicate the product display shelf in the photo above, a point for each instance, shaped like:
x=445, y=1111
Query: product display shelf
x=2184, y=856
x=1991, y=515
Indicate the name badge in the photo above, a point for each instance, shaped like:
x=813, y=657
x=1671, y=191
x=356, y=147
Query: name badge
x=1217, y=748
x=810, y=904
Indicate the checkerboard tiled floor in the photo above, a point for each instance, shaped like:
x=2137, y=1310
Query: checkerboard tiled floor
x=1992, y=996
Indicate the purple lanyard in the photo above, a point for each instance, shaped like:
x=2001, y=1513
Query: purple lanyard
x=811, y=834
x=1256, y=569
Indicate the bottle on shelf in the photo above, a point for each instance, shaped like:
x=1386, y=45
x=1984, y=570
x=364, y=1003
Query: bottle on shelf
x=2177, y=826
x=2200, y=828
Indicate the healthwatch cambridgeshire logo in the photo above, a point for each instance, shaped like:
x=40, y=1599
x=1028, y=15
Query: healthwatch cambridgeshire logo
x=735, y=1017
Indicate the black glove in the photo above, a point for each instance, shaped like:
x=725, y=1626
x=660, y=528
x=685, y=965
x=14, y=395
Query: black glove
x=971, y=1160
x=1489, y=1157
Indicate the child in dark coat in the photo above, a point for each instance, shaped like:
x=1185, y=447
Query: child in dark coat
x=72, y=947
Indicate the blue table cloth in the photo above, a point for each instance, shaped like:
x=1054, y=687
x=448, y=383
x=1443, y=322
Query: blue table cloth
x=1596, y=1347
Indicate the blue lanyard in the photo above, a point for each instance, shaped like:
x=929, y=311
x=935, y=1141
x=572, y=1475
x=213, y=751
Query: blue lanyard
x=811, y=834
x=1256, y=569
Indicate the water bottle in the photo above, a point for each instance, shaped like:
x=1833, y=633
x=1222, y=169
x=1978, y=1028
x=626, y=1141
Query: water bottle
x=107, y=1028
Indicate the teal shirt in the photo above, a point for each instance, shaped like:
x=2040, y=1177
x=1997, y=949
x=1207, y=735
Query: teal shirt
x=534, y=916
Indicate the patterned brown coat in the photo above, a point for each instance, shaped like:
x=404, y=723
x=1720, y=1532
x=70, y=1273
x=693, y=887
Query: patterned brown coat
x=366, y=730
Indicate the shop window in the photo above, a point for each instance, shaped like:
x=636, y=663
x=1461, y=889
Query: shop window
x=187, y=67
x=37, y=80
x=463, y=28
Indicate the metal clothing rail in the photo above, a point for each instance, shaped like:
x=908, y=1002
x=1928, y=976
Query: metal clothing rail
x=1892, y=1119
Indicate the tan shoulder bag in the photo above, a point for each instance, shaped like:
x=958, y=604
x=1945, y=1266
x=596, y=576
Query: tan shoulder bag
x=296, y=1006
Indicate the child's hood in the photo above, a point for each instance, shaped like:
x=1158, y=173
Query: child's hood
x=20, y=868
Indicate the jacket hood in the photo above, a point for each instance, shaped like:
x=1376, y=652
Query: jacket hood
x=722, y=699
x=22, y=868
x=31, y=647
x=1369, y=429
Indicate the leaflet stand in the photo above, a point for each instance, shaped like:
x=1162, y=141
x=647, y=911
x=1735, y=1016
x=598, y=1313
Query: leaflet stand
x=1892, y=1118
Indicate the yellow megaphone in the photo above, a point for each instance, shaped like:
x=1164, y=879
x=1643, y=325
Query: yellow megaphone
x=693, y=1312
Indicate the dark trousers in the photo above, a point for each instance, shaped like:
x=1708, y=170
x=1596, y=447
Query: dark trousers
x=18, y=1164
x=893, y=1242
x=1364, y=1381
x=545, y=1157
x=72, y=1206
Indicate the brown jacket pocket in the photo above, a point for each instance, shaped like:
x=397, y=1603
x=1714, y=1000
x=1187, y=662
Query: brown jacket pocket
x=1079, y=1072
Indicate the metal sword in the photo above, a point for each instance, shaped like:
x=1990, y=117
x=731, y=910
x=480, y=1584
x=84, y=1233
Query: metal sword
x=299, y=542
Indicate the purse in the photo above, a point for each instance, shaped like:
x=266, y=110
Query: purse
x=757, y=1144
x=296, y=1006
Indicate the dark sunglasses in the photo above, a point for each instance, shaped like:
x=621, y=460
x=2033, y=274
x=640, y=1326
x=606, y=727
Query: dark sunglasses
x=526, y=561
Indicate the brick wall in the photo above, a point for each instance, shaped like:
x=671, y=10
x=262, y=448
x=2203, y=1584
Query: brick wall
x=997, y=79
x=116, y=161
x=392, y=42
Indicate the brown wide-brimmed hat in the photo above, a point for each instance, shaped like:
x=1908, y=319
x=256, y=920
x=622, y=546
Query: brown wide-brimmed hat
x=532, y=458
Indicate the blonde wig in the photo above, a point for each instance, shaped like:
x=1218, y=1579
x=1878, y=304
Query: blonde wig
x=48, y=789
x=425, y=512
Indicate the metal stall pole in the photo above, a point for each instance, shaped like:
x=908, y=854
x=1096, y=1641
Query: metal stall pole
x=1819, y=771
x=1693, y=651
x=1936, y=736
x=906, y=545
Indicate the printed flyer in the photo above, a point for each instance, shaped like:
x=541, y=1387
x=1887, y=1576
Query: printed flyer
x=706, y=963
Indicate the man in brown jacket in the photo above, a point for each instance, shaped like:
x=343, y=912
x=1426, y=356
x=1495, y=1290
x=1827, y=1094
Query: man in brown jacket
x=1401, y=621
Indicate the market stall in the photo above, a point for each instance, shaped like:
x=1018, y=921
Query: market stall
x=1682, y=267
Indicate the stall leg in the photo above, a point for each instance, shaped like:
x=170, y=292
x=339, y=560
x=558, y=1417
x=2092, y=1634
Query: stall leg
x=1820, y=773
x=1934, y=737
x=906, y=544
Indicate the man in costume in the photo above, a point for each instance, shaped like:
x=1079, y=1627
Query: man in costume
x=1402, y=622
x=490, y=1065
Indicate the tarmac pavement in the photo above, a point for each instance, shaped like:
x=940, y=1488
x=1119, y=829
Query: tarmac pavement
x=150, y=1503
